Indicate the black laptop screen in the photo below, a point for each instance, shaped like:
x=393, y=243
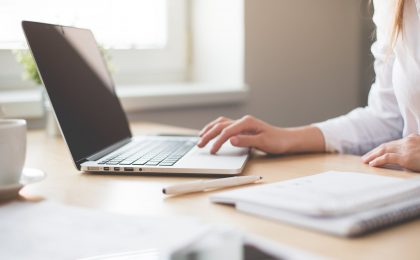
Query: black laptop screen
x=79, y=86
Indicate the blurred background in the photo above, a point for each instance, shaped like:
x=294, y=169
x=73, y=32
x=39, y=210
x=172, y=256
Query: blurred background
x=185, y=62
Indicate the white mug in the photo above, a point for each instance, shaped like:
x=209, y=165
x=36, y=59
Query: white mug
x=12, y=150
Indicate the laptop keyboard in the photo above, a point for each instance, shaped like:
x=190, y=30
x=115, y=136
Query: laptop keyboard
x=151, y=153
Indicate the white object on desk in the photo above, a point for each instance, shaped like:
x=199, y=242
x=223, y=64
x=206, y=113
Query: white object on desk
x=29, y=176
x=196, y=186
x=12, y=150
x=341, y=203
x=46, y=230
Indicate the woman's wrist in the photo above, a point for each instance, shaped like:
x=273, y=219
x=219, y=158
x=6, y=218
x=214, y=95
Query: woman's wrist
x=303, y=139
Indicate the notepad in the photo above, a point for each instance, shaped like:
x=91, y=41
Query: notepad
x=340, y=203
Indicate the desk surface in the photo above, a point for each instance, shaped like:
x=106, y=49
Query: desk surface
x=141, y=195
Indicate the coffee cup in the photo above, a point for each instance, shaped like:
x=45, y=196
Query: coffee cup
x=12, y=150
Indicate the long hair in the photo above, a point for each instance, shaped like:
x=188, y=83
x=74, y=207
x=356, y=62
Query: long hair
x=397, y=26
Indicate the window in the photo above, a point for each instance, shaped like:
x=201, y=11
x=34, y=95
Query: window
x=119, y=24
x=165, y=53
x=145, y=38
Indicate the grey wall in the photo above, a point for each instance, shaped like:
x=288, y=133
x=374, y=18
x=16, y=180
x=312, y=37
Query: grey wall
x=305, y=61
x=368, y=36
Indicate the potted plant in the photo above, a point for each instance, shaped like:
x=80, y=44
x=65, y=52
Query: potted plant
x=30, y=72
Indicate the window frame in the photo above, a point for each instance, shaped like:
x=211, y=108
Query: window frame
x=211, y=72
x=132, y=66
x=168, y=64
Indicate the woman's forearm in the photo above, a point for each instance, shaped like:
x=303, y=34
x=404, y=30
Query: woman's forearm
x=304, y=139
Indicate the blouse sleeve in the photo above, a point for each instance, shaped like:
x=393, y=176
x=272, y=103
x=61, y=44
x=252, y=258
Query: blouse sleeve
x=380, y=121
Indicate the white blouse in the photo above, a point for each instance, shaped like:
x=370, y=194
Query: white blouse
x=393, y=109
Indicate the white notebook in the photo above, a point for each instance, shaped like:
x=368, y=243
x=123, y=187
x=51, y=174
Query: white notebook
x=340, y=203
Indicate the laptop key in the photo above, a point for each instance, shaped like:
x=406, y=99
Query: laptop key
x=128, y=161
x=113, y=162
x=169, y=161
x=152, y=163
x=125, y=163
x=166, y=164
x=139, y=163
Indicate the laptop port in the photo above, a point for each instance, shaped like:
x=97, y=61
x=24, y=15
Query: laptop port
x=106, y=168
x=128, y=169
x=116, y=169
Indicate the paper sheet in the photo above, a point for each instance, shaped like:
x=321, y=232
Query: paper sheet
x=46, y=230
x=326, y=194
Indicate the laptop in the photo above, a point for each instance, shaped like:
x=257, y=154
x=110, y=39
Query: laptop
x=93, y=122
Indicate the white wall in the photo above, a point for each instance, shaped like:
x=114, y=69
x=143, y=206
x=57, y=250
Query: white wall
x=302, y=64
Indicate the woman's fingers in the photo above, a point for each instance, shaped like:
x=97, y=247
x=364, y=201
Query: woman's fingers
x=246, y=141
x=387, y=158
x=245, y=132
x=245, y=124
x=214, y=131
x=379, y=151
x=211, y=124
x=404, y=152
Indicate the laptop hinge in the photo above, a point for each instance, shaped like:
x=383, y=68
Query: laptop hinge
x=105, y=151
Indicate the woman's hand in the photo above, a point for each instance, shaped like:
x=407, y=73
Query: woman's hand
x=404, y=152
x=251, y=132
x=245, y=132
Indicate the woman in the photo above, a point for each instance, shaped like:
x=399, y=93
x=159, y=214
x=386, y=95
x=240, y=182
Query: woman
x=386, y=131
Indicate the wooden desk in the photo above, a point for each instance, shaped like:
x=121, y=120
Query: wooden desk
x=142, y=195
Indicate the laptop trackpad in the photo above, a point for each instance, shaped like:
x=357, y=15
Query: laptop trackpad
x=226, y=150
x=228, y=157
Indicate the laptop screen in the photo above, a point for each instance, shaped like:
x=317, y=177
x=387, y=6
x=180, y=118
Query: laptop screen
x=79, y=86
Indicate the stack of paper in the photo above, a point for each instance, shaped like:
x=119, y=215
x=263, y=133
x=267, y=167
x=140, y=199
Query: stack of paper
x=47, y=230
x=341, y=203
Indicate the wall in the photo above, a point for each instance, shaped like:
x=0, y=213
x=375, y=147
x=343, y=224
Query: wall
x=303, y=63
x=217, y=41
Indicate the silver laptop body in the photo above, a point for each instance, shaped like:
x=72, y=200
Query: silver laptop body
x=93, y=122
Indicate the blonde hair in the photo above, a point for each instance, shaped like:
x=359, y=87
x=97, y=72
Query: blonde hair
x=397, y=27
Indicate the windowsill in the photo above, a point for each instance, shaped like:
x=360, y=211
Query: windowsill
x=27, y=103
